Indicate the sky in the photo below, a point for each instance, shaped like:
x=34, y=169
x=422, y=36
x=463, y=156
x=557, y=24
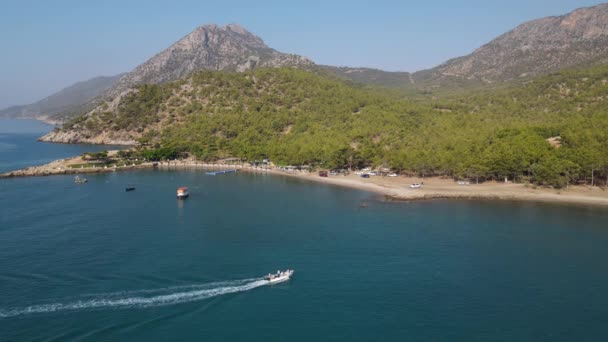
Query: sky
x=49, y=45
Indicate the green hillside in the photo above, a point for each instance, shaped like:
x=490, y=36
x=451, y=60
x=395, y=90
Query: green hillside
x=297, y=117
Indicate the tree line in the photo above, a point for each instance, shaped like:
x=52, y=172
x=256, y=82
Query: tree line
x=550, y=131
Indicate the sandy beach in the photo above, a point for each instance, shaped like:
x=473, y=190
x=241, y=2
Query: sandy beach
x=396, y=188
x=439, y=188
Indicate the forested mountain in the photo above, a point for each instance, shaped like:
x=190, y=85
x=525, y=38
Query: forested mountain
x=67, y=103
x=553, y=130
x=577, y=39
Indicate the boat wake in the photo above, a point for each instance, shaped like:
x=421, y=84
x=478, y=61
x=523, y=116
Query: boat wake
x=142, y=298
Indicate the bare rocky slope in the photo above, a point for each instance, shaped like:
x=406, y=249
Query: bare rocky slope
x=538, y=47
x=209, y=47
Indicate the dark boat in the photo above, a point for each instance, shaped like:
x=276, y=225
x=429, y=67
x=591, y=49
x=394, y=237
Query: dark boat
x=129, y=188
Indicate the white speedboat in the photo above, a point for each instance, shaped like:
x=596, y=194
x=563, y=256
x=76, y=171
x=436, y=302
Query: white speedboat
x=279, y=276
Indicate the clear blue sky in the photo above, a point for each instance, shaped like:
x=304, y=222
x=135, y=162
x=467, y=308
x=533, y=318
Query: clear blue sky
x=48, y=45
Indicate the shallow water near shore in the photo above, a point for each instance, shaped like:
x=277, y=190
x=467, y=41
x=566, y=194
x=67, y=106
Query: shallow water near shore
x=94, y=262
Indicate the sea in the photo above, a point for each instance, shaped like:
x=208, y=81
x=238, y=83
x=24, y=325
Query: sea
x=91, y=262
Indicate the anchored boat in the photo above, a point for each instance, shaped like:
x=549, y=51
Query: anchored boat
x=182, y=192
x=79, y=180
x=279, y=276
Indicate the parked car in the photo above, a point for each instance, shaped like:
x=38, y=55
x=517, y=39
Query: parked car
x=392, y=175
x=365, y=175
x=322, y=173
x=358, y=173
x=334, y=173
x=372, y=173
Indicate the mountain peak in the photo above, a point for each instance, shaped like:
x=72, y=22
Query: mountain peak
x=237, y=28
x=209, y=47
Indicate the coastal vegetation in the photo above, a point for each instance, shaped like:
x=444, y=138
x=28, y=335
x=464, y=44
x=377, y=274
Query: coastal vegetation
x=552, y=130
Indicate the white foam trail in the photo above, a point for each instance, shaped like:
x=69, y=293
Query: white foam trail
x=171, y=288
x=137, y=301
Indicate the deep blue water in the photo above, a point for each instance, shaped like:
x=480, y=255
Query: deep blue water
x=92, y=262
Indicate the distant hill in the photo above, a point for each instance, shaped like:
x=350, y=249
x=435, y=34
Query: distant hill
x=538, y=47
x=535, y=48
x=66, y=103
x=371, y=77
x=209, y=47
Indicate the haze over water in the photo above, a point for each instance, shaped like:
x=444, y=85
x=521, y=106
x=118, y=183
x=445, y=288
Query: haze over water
x=91, y=261
x=19, y=148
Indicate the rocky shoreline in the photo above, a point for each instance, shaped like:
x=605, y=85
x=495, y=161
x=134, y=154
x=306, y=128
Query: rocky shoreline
x=75, y=137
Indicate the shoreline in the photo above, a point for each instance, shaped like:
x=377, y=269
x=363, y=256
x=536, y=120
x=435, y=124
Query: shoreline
x=393, y=188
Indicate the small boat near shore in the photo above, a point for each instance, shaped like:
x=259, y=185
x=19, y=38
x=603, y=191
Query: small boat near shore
x=129, y=188
x=279, y=276
x=221, y=172
x=182, y=192
x=79, y=180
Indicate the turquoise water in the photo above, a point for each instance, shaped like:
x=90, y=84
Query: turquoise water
x=92, y=262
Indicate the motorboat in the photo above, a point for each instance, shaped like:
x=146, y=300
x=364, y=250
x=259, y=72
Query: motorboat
x=182, y=192
x=278, y=277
